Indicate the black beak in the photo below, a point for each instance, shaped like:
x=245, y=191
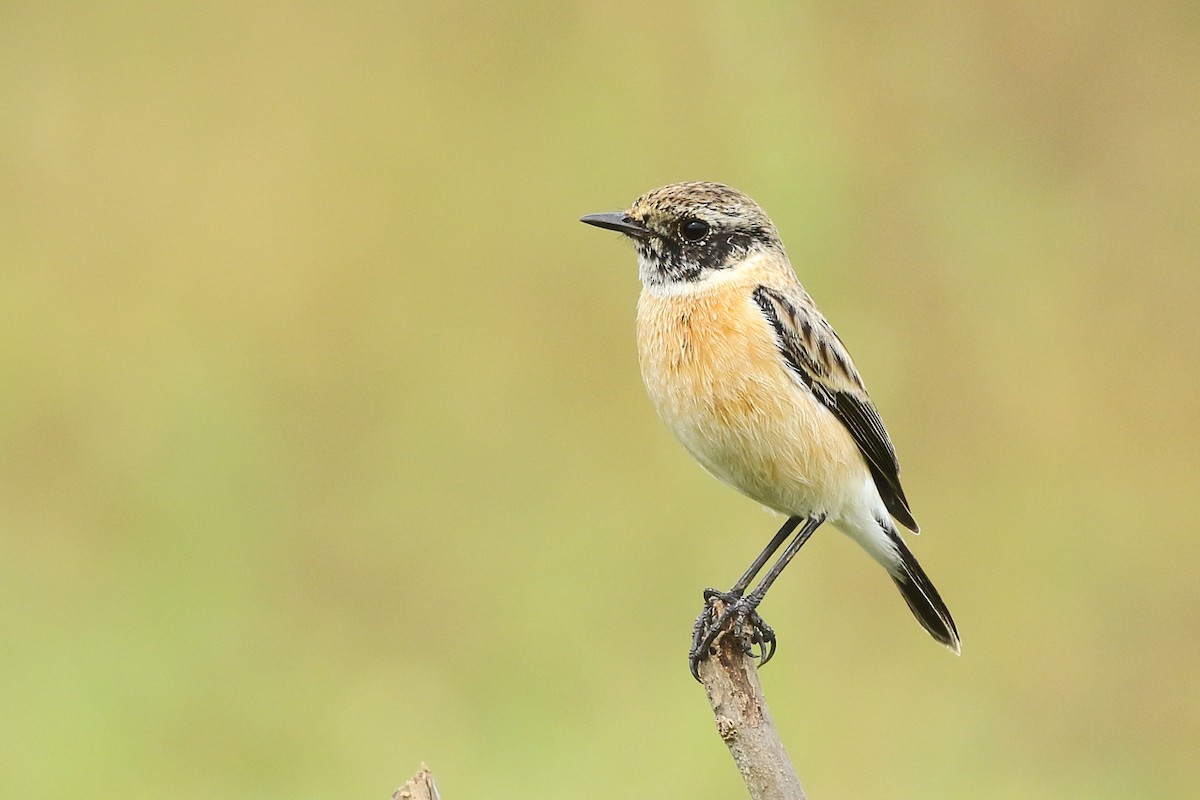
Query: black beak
x=618, y=221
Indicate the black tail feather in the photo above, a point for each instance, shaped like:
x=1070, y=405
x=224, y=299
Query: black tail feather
x=923, y=599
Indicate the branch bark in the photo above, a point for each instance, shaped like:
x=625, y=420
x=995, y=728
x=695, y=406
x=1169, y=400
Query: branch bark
x=744, y=723
x=419, y=787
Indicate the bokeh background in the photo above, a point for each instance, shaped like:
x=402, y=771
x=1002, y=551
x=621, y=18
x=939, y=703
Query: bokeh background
x=323, y=449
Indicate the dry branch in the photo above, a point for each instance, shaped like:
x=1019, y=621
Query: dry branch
x=744, y=723
x=419, y=787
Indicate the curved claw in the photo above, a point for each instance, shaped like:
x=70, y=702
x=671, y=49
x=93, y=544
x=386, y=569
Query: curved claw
x=704, y=633
x=738, y=614
x=700, y=631
x=694, y=654
x=694, y=666
x=764, y=636
x=701, y=649
x=769, y=654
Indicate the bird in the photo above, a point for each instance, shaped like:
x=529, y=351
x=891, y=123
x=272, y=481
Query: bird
x=746, y=372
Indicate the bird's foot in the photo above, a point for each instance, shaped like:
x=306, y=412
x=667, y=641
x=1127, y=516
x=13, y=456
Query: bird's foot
x=724, y=610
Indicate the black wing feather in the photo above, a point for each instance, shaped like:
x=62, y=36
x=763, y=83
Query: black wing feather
x=852, y=407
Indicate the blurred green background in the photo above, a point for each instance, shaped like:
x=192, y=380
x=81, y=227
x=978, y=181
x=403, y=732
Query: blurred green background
x=323, y=449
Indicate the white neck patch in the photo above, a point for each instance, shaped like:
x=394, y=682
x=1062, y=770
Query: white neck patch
x=709, y=280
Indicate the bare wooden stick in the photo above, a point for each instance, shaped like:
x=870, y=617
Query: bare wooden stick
x=744, y=723
x=419, y=787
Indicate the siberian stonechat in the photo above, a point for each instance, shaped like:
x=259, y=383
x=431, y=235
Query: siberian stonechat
x=746, y=372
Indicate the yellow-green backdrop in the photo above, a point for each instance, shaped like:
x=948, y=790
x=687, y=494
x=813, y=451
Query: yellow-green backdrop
x=322, y=445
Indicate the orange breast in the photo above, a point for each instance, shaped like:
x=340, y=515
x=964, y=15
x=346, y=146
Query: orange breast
x=715, y=376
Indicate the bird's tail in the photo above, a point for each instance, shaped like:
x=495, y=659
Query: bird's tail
x=922, y=598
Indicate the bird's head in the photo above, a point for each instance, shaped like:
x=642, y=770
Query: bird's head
x=687, y=232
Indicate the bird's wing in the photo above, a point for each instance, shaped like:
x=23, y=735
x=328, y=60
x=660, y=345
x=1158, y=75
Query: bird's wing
x=817, y=356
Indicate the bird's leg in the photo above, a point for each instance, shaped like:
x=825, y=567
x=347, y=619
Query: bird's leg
x=784, y=532
x=743, y=610
x=746, y=610
x=700, y=631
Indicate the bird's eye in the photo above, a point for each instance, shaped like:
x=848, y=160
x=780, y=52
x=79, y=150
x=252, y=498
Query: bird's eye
x=694, y=230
